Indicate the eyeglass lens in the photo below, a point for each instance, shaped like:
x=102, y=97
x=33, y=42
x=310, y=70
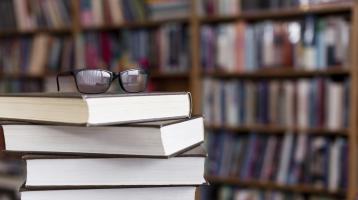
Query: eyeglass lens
x=93, y=81
x=133, y=81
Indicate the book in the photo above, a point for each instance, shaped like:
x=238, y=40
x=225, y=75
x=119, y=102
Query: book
x=158, y=193
x=221, y=8
x=164, y=10
x=75, y=108
x=158, y=139
x=186, y=169
x=38, y=55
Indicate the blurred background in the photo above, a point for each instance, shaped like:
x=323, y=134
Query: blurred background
x=275, y=79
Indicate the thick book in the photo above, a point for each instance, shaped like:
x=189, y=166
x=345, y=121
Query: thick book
x=56, y=172
x=160, y=139
x=74, y=108
x=157, y=193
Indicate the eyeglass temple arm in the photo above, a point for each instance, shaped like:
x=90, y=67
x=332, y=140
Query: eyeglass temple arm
x=59, y=75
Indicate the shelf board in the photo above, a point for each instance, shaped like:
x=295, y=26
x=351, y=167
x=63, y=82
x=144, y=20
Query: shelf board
x=21, y=76
x=4, y=33
x=307, y=189
x=161, y=75
x=134, y=25
x=283, y=72
x=270, y=129
x=281, y=13
x=218, y=18
x=333, y=8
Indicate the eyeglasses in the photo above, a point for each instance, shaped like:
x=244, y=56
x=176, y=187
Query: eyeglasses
x=96, y=81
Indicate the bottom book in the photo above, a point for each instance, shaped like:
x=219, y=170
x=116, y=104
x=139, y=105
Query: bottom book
x=154, y=193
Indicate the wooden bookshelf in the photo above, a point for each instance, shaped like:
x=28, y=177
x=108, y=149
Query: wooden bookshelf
x=288, y=13
x=10, y=33
x=135, y=25
x=305, y=189
x=192, y=81
x=272, y=129
x=347, y=9
x=218, y=19
x=157, y=75
x=282, y=72
x=282, y=14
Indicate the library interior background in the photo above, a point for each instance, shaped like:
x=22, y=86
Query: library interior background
x=276, y=80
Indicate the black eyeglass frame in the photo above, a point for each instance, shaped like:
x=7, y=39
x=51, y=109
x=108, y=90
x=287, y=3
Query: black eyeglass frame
x=113, y=77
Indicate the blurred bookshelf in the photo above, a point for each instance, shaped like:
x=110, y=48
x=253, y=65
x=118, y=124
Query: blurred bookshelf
x=240, y=122
x=201, y=46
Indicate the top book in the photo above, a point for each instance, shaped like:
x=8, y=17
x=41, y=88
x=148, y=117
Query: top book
x=103, y=109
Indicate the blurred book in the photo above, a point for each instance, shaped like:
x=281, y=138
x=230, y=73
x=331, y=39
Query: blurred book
x=218, y=8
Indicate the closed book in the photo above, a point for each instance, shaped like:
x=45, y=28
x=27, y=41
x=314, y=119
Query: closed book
x=160, y=139
x=57, y=172
x=157, y=193
x=74, y=108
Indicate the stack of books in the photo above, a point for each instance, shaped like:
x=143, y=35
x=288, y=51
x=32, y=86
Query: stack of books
x=110, y=146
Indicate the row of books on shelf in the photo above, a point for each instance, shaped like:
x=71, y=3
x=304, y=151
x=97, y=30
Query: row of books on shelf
x=318, y=161
x=302, y=103
x=115, y=12
x=163, y=50
x=33, y=14
x=166, y=49
x=310, y=43
x=233, y=193
x=252, y=5
x=31, y=55
x=234, y=7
